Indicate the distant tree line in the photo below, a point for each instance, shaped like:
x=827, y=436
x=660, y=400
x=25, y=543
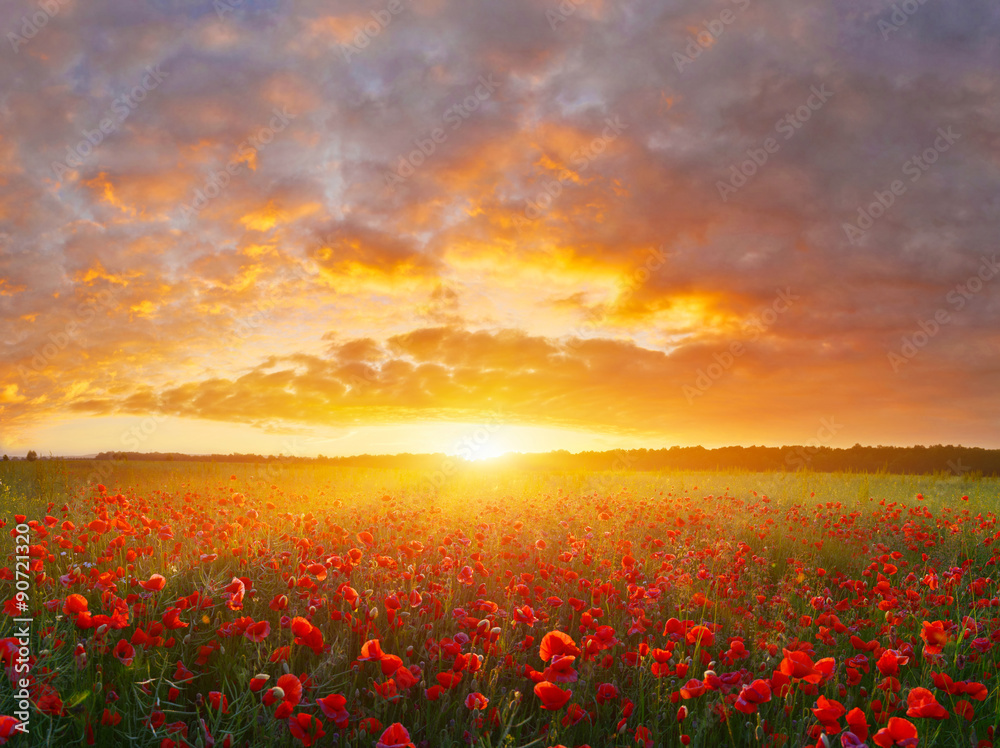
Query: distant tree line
x=959, y=461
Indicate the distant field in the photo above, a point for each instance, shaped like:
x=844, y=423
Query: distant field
x=204, y=603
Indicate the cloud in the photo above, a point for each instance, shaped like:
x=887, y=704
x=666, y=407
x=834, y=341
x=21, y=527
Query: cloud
x=605, y=385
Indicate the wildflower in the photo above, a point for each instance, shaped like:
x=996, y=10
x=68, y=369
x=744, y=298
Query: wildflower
x=922, y=703
x=752, y=696
x=306, y=728
x=395, y=736
x=899, y=732
x=552, y=697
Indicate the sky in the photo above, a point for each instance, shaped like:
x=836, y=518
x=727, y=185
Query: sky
x=311, y=227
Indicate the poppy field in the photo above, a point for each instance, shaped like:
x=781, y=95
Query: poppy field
x=242, y=605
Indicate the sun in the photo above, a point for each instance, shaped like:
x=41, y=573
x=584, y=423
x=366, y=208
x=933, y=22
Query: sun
x=487, y=452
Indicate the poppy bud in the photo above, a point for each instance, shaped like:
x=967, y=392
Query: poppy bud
x=373, y=613
x=278, y=692
x=102, y=629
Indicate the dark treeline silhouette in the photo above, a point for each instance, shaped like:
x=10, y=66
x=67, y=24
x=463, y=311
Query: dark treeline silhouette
x=959, y=461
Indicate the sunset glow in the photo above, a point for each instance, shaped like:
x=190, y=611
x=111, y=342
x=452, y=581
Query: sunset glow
x=311, y=228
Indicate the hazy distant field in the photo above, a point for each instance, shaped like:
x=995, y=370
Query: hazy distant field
x=500, y=608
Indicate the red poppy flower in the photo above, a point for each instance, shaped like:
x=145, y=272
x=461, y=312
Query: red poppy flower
x=8, y=728
x=390, y=664
x=334, y=707
x=278, y=602
x=387, y=690
x=449, y=680
x=700, y=634
x=395, y=736
x=258, y=631
x=858, y=723
x=964, y=709
x=900, y=732
x=977, y=691
x=551, y=695
x=218, y=701
x=235, y=591
x=155, y=583
x=890, y=661
x=156, y=719
x=557, y=643
x=644, y=737
x=752, y=696
x=306, y=728
x=849, y=740
x=476, y=700
x=606, y=692
x=574, y=713
x=405, y=677
x=75, y=604
x=799, y=666
x=561, y=670
x=280, y=654
x=318, y=571
x=292, y=688
x=922, y=703
x=307, y=635
x=828, y=712
x=171, y=619
x=693, y=689
x=934, y=636
x=525, y=615
x=371, y=650
x=125, y=652
x=287, y=691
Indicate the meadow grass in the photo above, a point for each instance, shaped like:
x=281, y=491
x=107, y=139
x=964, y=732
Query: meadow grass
x=519, y=524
